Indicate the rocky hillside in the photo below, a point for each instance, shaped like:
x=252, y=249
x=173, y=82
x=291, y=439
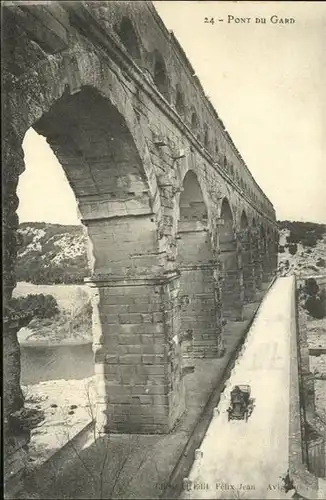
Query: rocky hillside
x=55, y=253
x=302, y=249
x=51, y=253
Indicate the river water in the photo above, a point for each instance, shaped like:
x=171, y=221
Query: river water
x=50, y=362
x=42, y=362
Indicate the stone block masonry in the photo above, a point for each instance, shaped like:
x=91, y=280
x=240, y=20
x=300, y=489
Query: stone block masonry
x=138, y=355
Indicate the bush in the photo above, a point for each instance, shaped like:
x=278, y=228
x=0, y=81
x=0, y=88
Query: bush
x=40, y=305
x=314, y=299
x=311, y=287
x=316, y=306
x=281, y=249
x=309, y=240
x=293, y=248
x=321, y=262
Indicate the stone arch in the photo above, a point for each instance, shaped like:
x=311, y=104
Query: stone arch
x=206, y=136
x=244, y=223
x=93, y=129
x=195, y=125
x=179, y=102
x=232, y=299
x=246, y=259
x=256, y=253
x=264, y=248
x=160, y=75
x=196, y=263
x=90, y=138
x=129, y=38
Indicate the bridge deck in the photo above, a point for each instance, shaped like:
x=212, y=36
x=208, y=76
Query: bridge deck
x=247, y=460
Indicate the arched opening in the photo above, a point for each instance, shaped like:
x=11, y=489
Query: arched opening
x=244, y=221
x=129, y=38
x=246, y=260
x=179, y=102
x=264, y=254
x=195, y=125
x=197, y=285
x=232, y=295
x=160, y=75
x=97, y=152
x=90, y=137
x=56, y=345
x=256, y=254
x=206, y=137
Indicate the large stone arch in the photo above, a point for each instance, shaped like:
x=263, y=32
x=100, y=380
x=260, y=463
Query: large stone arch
x=197, y=265
x=232, y=285
x=97, y=152
x=83, y=109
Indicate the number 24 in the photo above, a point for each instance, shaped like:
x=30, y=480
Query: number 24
x=209, y=20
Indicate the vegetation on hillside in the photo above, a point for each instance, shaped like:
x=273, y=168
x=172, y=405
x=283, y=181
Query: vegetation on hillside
x=38, y=305
x=51, y=253
x=306, y=233
x=67, y=325
x=45, y=319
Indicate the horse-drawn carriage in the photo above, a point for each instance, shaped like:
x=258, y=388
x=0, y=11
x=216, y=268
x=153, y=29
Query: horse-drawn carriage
x=242, y=404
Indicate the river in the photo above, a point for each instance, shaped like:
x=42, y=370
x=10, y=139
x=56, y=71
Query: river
x=54, y=362
x=45, y=361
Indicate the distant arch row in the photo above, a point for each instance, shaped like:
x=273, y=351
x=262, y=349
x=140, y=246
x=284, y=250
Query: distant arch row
x=129, y=38
x=227, y=214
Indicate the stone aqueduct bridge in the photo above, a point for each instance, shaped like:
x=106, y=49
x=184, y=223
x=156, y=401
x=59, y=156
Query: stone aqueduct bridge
x=180, y=234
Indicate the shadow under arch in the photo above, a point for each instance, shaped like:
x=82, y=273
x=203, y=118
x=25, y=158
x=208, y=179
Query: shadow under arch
x=97, y=152
x=232, y=293
x=265, y=254
x=160, y=77
x=129, y=39
x=246, y=260
x=256, y=253
x=200, y=323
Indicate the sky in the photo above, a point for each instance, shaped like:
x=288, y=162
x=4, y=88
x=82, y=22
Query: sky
x=267, y=82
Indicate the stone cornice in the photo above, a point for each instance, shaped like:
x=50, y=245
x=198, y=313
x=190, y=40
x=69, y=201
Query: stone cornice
x=108, y=280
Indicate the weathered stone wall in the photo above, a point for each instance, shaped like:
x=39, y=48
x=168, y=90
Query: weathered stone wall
x=307, y=442
x=113, y=93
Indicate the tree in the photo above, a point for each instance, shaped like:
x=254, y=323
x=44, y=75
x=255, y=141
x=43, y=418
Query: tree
x=39, y=305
